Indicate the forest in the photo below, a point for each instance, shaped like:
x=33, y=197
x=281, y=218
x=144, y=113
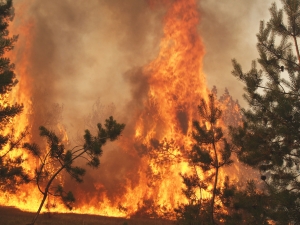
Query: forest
x=170, y=149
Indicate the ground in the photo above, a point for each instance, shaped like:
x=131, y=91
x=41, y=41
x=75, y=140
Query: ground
x=13, y=216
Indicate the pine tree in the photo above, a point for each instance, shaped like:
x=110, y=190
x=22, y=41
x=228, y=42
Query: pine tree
x=231, y=113
x=269, y=138
x=11, y=171
x=209, y=154
x=56, y=160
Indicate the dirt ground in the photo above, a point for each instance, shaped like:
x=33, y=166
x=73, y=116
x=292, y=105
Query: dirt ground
x=13, y=216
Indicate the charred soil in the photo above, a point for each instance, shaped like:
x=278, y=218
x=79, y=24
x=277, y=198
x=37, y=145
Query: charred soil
x=13, y=216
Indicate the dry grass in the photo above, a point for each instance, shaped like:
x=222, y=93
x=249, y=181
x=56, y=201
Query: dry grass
x=13, y=216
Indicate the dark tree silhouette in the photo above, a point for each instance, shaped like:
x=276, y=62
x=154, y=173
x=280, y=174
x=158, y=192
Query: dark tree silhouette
x=210, y=152
x=11, y=171
x=269, y=138
x=56, y=159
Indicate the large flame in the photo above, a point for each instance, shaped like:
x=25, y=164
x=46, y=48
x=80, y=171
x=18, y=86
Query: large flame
x=176, y=84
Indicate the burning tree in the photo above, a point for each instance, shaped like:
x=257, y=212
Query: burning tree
x=57, y=159
x=269, y=138
x=210, y=152
x=11, y=171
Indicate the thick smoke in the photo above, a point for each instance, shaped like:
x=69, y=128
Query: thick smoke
x=81, y=59
x=229, y=31
x=86, y=52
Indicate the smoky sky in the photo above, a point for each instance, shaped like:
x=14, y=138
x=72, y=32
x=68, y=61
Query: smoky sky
x=82, y=52
x=83, y=62
x=87, y=56
x=229, y=31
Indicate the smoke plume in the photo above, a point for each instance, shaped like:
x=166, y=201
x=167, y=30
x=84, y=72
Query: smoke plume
x=86, y=60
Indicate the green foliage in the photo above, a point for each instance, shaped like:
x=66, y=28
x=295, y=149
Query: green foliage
x=191, y=214
x=11, y=171
x=209, y=153
x=269, y=138
x=244, y=205
x=57, y=159
x=67, y=198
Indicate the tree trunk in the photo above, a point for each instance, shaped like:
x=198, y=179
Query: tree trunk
x=215, y=183
x=40, y=208
x=297, y=49
x=46, y=194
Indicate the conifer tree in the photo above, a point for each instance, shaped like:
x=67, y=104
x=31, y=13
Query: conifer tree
x=231, y=114
x=11, y=171
x=209, y=154
x=56, y=160
x=269, y=138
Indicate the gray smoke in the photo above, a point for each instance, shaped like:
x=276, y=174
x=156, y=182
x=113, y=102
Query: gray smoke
x=88, y=55
x=82, y=61
x=229, y=31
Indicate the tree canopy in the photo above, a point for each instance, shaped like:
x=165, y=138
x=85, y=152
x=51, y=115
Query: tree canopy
x=11, y=171
x=56, y=159
x=269, y=138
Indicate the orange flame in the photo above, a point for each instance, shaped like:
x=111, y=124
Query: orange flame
x=176, y=85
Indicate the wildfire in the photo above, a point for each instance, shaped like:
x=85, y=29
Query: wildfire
x=176, y=84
